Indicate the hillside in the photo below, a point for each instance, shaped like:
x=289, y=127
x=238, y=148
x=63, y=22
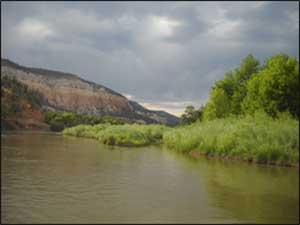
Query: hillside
x=68, y=92
x=20, y=107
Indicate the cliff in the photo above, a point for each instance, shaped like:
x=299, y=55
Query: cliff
x=68, y=92
x=20, y=107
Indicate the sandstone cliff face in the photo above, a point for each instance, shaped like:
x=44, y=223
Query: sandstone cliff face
x=20, y=108
x=68, y=92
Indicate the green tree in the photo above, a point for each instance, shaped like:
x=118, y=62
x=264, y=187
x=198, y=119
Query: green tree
x=191, y=115
x=49, y=115
x=218, y=106
x=227, y=95
x=248, y=68
x=69, y=119
x=56, y=126
x=275, y=88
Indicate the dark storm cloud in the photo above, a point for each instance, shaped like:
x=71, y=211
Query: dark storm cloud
x=164, y=54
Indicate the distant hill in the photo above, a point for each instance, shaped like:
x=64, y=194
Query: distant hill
x=68, y=92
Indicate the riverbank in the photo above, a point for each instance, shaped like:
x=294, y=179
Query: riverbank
x=121, y=135
x=15, y=123
x=255, y=139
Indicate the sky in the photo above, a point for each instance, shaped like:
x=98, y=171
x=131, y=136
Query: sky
x=164, y=55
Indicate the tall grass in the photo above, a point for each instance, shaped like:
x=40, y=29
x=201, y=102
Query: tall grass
x=257, y=138
x=122, y=135
x=87, y=131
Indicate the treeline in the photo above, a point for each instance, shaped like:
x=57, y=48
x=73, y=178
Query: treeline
x=61, y=120
x=272, y=88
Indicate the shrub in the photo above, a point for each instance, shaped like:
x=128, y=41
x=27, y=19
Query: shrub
x=70, y=119
x=56, y=126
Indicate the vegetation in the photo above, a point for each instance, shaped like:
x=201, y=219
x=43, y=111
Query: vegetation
x=258, y=138
x=16, y=97
x=275, y=88
x=60, y=120
x=122, y=135
x=272, y=87
x=191, y=115
x=252, y=114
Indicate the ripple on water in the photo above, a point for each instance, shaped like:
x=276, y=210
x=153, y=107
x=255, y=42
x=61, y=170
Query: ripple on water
x=52, y=178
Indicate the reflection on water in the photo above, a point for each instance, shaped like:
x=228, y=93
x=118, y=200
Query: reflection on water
x=49, y=178
x=255, y=193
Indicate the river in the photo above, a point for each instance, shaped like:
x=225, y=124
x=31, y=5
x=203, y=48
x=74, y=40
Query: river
x=48, y=178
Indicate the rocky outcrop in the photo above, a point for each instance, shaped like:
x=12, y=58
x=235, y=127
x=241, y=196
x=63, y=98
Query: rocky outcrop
x=20, y=107
x=69, y=92
x=159, y=116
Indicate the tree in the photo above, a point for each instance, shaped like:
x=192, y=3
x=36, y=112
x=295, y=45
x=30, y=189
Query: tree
x=275, y=88
x=252, y=101
x=248, y=68
x=69, y=119
x=191, y=115
x=56, y=126
x=218, y=106
x=228, y=94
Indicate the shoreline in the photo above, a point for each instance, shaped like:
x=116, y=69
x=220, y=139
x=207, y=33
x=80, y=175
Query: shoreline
x=196, y=155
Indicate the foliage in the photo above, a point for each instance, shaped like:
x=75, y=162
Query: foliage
x=87, y=131
x=272, y=87
x=227, y=95
x=258, y=138
x=191, y=115
x=275, y=88
x=13, y=92
x=56, y=126
x=218, y=106
x=69, y=119
x=122, y=135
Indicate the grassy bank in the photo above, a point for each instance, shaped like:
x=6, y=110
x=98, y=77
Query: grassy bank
x=122, y=135
x=258, y=138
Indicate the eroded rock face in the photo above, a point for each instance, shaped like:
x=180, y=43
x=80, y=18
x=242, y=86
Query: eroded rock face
x=62, y=91
x=71, y=94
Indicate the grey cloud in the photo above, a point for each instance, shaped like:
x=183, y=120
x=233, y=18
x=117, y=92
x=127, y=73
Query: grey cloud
x=135, y=48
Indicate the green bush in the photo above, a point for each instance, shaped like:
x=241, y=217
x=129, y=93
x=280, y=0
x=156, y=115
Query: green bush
x=56, y=126
x=69, y=119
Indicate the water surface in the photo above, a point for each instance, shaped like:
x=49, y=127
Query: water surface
x=48, y=178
